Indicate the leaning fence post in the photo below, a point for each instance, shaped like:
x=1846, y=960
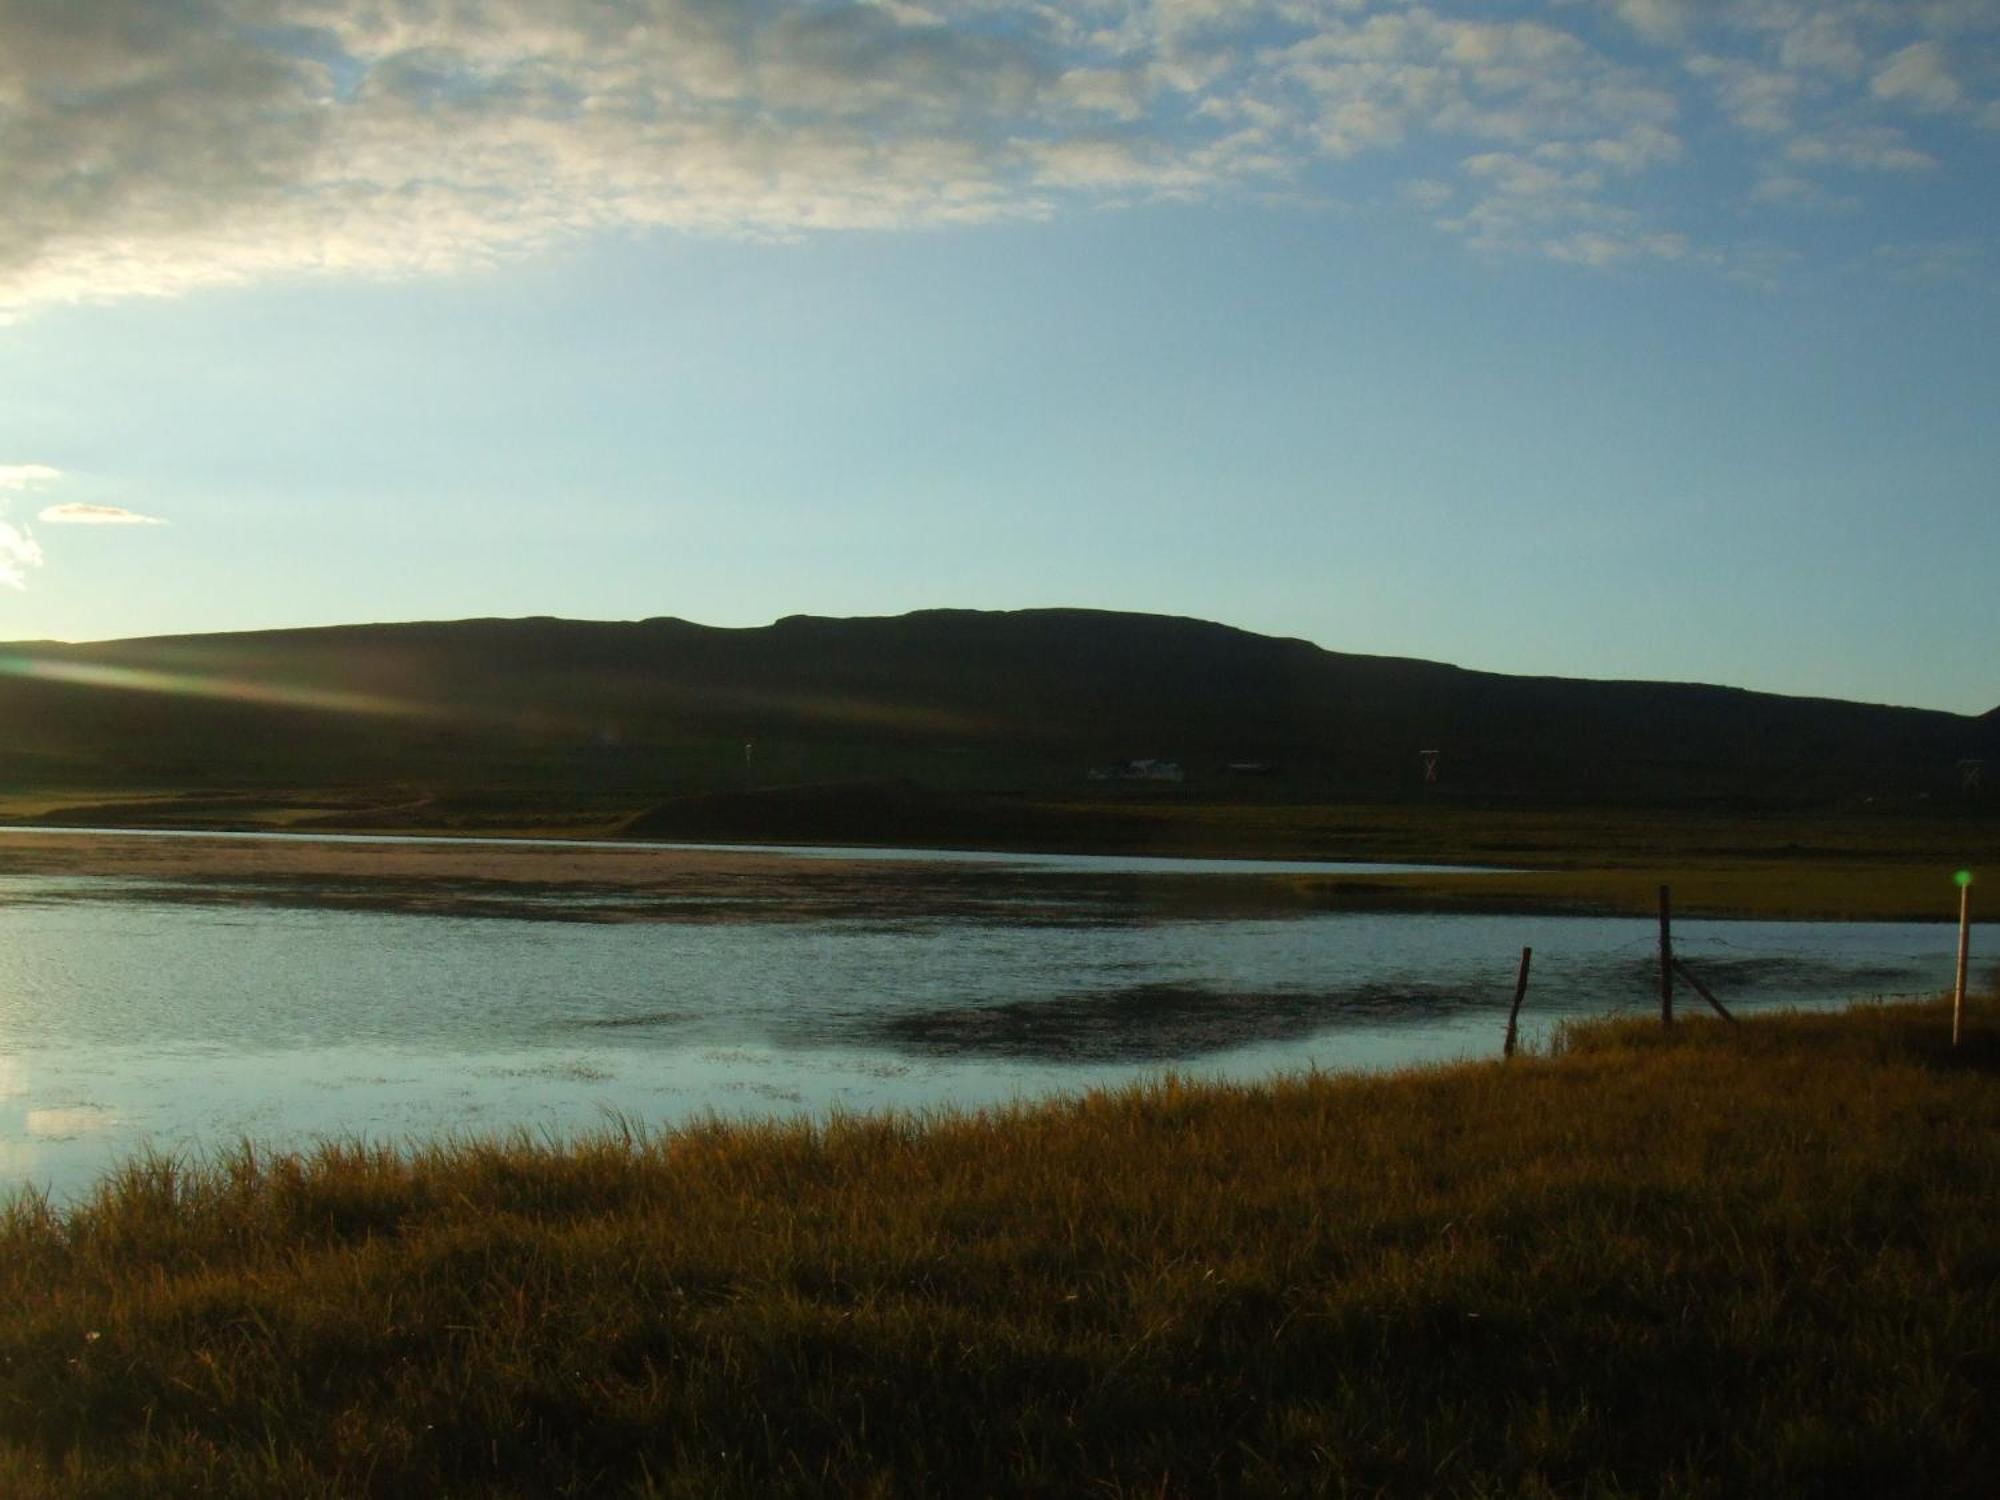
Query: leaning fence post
x=1666, y=957
x=1520, y=992
x=1704, y=991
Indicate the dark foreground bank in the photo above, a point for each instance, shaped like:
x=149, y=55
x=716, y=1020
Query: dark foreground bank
x=1727, y=1263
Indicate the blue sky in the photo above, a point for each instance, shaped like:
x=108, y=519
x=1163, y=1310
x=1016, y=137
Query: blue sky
x=1646, y=338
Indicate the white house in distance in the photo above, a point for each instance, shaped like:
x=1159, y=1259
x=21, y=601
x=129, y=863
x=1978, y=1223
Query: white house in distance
x=1139, y=770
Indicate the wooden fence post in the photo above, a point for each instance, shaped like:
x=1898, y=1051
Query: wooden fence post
x=1666, y=956
x=1964, y=878
x=1520, y=991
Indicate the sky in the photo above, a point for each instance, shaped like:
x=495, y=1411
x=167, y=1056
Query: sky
x=1602, y=338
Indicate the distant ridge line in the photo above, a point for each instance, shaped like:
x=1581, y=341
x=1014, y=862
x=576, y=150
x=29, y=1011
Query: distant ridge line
x=941, y=613
x=987, y=701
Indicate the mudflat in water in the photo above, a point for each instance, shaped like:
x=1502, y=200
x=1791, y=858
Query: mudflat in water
x=186, y=992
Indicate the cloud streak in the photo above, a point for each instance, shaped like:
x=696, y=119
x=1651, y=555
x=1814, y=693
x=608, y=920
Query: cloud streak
x=75, y=514
x=155, y=146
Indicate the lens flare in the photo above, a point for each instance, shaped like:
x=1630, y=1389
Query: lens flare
x=205, y=685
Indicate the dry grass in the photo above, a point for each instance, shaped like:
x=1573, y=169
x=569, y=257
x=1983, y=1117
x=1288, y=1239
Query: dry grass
x=1716, y=1263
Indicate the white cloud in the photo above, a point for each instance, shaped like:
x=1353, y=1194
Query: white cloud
x=1823, y=42
x=1427, y=193
x=1918, y=76
x=1760, y=100
x=1933, y=263
x=156, y=145
x=1789, y=190
x=75, y=514
x=1521, y=204
x=153, y=146
x=1657, y=20
x=1565, y=129
x=1636, y=149
x=27, y=476
x=1398, y=73
x=1877, y=148
x=1597, y=248
x=18, y=553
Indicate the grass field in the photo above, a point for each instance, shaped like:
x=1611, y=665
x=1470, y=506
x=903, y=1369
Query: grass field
x=1712, y=1262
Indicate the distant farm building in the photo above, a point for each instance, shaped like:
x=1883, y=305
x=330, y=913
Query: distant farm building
x=1139, y=770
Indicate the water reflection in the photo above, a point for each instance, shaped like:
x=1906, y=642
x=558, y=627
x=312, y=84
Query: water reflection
x=1153, y=1022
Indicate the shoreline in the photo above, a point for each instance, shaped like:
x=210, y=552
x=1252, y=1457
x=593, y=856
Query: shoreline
x=1498, y=875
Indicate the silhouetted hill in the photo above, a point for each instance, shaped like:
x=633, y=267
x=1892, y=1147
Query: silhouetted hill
x=631, y=713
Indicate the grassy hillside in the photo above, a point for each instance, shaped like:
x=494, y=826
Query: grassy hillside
x=605, y=719
x=1707, y=1263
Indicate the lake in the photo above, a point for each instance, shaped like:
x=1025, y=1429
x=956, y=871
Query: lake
x=188, y=991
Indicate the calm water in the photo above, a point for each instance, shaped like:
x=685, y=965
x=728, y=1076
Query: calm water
x=190, y=1014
